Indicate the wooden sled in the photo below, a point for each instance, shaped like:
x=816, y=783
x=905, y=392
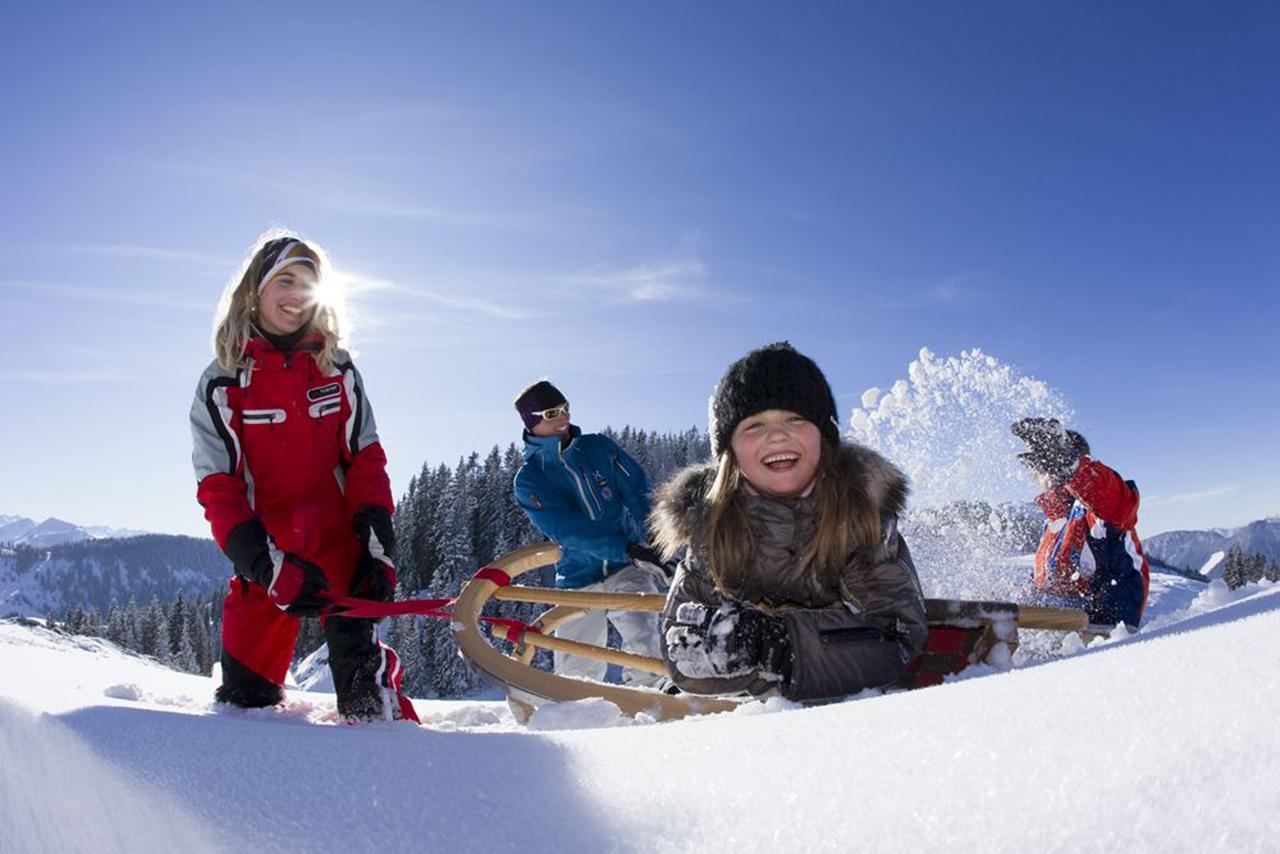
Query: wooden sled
x=961, y=633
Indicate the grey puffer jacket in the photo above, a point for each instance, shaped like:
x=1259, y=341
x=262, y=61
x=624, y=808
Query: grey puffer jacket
x=862, y=635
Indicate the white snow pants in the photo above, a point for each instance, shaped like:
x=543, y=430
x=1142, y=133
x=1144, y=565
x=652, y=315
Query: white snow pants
x=639, y=631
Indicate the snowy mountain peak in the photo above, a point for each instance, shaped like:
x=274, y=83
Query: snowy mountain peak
x=22, y=531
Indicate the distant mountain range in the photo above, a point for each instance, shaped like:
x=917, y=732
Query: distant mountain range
x=39, y=581
x=21, y=531
x=1193, y=549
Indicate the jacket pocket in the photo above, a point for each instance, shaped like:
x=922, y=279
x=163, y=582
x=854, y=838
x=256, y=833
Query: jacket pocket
x=850, y=634
x=262, y=416
x=324, y=407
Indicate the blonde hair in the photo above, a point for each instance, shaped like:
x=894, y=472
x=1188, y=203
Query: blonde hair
x=233, y=322
x=838, y=534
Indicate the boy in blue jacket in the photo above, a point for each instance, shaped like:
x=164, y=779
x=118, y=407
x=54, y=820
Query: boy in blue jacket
x=583, y=492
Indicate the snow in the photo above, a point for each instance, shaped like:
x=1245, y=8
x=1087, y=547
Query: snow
x=1159, y=741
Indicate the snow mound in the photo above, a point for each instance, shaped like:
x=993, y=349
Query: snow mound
x=594, y=713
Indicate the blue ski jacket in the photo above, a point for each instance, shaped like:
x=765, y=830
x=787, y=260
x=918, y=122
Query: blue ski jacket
x=590, y=498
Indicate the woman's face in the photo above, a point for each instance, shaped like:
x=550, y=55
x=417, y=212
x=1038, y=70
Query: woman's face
x=286, y=301
x=778, y=452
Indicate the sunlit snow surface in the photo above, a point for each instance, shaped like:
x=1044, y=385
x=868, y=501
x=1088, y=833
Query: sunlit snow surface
x=1161, y=741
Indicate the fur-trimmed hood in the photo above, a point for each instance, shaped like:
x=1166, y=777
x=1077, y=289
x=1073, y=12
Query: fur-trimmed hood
x=680, y=510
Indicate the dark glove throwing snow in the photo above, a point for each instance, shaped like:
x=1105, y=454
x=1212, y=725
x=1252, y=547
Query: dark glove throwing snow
x=729, y=641
x=1054, y=450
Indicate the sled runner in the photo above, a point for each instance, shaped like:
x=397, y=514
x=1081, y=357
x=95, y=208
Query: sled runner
x=961, y=633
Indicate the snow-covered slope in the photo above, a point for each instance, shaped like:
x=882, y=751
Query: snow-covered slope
x=1159, y=741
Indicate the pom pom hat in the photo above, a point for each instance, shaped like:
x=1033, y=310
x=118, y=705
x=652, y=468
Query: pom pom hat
x=772, y=377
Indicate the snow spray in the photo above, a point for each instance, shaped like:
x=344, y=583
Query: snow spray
x=947, y=428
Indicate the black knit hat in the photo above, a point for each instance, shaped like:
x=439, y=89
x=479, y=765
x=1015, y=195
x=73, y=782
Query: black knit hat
x=537, y=397
x=772, y=377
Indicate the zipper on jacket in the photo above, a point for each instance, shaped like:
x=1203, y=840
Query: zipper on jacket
x=578, y=482
x=852, y=633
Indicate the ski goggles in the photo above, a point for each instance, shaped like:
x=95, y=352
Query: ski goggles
x=277, y=258
x=553, y=413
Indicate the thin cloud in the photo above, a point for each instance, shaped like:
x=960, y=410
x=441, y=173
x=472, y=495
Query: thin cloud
x=391, y=210
x=646, y=282
x=678, y=277
x=1193, y=497
x=488, y=308
x=334, y=199
x=946, y=292
x=69, y=376
x=152, y=253
x=110, y=295
x=355, y=285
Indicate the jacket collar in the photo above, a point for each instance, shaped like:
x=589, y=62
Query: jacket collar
x=547, y=447
x=260, y=349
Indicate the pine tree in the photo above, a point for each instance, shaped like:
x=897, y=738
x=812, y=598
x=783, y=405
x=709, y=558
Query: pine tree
x=93, y=623
x=450, y=675
x=198, y=632
x=177, y=624
x=154, y=635
x=405, y=524
x=1255, y=568
x=1233, y=568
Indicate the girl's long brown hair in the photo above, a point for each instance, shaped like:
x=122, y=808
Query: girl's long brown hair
x=233, y=321
x=840, y=529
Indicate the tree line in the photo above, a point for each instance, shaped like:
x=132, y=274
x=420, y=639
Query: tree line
x=180, y=634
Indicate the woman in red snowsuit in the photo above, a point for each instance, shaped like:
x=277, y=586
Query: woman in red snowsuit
x=293, y=482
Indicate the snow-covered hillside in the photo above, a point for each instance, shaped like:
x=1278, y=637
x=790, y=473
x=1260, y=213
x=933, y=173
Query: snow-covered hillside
x=94, y=573
x=1160, y=741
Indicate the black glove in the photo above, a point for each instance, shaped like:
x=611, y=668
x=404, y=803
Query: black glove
x=643, y=552
x=292, y=583
x=729, y=641
x=1052, y=453
x=298, y=586
x=375, y=574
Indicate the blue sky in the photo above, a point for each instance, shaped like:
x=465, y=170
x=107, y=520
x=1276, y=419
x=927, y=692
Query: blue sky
x=626, y=197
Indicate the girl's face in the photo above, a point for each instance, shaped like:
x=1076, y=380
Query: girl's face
x=778, y=452
x=286, y=301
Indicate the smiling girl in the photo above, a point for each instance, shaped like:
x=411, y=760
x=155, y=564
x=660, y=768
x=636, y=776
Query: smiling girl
x=794, y=575
x=293, y=481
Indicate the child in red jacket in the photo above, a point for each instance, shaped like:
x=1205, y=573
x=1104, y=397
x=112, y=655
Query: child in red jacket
x=1089, y=550
x=293, y=481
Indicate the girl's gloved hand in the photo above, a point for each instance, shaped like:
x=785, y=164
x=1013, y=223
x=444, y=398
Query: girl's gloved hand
x=729, y=641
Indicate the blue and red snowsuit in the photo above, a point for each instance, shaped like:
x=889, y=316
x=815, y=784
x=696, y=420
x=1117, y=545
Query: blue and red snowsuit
x=1090, y=550
x=297, y=448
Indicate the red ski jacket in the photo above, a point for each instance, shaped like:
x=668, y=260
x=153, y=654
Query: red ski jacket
x=293, y=445
x=1090, y=548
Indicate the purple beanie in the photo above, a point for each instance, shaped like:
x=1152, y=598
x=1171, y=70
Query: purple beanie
x=535, y=398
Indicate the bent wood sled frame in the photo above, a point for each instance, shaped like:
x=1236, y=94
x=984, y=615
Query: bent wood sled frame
x=960, y=633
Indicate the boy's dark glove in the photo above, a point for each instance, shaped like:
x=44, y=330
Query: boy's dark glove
x=375, y=575
x=729, y=641
x=292, y=583
x=642, y=552
x=1052, y=453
